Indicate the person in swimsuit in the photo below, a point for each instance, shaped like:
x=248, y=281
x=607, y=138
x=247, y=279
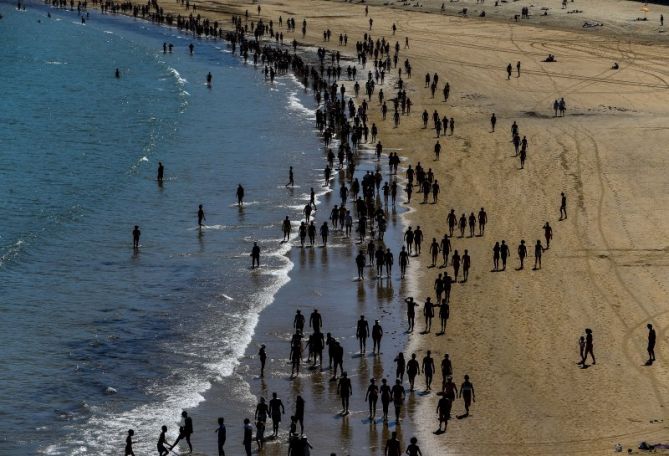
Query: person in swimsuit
x=162, y=441
x=413, y=369
x=413, y=449
x=428, y=370
x=467, y=394
x=128, y=444
x=372, y=396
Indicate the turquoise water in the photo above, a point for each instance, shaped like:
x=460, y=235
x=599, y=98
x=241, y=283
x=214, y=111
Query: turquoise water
x=80, y=311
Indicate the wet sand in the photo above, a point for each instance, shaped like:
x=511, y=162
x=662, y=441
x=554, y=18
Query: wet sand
x=323, y=279
x=516, y=332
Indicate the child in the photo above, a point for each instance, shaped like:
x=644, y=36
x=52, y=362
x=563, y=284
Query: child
x=260, y=434
x=128, y=444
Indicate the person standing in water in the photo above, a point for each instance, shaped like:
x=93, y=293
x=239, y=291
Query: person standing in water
x=291, y=178
x=221, y=436
x=276, y=409
x=128, y=444
x=286, y=228
x=161, y=172
x=200, y=216
x=162, y=441
x=248, y=436
x=398, y=395
x=371, y=397
x=185, y=430
x=428, y=370
x=117, y=74
x=345, y=390
x=136, y=233
x=377, y=335
x=255, y=256
x=362, y=333
x=240, y=195
x=262, y=355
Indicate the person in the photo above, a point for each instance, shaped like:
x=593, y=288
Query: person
x=276, y=409
x=434, y=251
x=508, y=71
x=404, y=261
x=185, y=430
x=467, y=394
x=286, y=228
x=651, y=344
x=495, y=257
x=386, y=396
x=411, y=312
x=581, y=349
x=345, y=390
x=504, y=253
x=444, y=411
x=445, y=246
x=548, y=234
x=360, y=263
x=161, y=172
x=291, y=178
x=493, y=121
x=299, y=412
x=538, y=250
x=589, y=347
x=393, y=446
x=298, y=321
x=372, y=396
x=483, y=219
x=260, y=434
x=362, y=333
x=444, y=314
x=209, y=78
x=401, y=366
x=428, y=313
x=200, y=216
x=413, y=368
x=466, y=264
x=324, y=231
x=316, y=321
x=128, y=443
x=437, y=150
x=446, y=369
x=428, y=370
x=162, y=441
x=398, y=394
x=413, y=449
x=117, y=74
x=222, y=435
x=262, y=355
x=248, y=436
x=563, y=206
x=522, y=253
x=255, y=256
x=136, y=233
x=377, y=334
x=240, y=195
x=190, y=48
x=518, y=69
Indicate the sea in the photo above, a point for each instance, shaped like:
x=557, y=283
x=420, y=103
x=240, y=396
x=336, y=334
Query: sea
x=96, y=337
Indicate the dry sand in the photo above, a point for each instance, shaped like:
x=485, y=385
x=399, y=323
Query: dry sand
x=516, y=332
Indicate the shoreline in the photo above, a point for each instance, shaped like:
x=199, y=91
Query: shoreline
x=515, y=333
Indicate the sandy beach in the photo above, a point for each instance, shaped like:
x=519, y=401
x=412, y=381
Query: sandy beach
x=516, y=332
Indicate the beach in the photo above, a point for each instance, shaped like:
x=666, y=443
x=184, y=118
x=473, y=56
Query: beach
x=514, y=332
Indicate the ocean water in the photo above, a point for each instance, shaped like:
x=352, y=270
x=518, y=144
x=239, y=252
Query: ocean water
x=81, y=312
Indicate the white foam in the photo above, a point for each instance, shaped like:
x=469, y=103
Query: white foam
x=296, y=105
